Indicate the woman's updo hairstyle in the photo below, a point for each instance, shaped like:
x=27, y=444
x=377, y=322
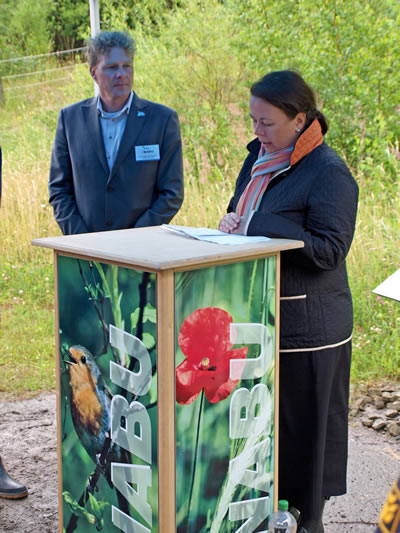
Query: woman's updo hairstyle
x=287, y=90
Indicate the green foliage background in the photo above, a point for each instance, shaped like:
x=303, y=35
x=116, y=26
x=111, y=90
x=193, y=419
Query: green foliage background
x=200, y=57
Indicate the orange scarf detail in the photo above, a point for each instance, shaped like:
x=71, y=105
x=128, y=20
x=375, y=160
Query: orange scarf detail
x=307, y=141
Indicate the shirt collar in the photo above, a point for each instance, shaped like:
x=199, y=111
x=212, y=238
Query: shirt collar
x=116, y=114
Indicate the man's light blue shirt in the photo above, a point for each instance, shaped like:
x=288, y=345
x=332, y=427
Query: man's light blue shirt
x=113, y=127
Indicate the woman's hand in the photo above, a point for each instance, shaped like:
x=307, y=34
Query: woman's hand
x=232, y=223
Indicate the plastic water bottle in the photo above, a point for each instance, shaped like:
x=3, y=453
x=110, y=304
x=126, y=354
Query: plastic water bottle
x=282, y=521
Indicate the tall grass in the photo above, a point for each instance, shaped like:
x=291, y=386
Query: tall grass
x=373, y=257
x=204, y=75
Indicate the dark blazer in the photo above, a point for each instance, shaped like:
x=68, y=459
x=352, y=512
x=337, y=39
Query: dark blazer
x=86, y=196
x=315, y=201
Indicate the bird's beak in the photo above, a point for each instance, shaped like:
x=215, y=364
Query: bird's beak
x=66, y=352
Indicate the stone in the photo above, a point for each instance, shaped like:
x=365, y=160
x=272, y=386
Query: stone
x=377, y=407
x=387, y=396
x=361, y=402
x=394, y=428
x=370, y=413
x=378, y=402
x=378, y=424
x=367, y=422
x=393, y=405
x=391, y=413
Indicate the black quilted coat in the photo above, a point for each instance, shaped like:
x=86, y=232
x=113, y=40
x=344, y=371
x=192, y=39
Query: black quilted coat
x=314, y=201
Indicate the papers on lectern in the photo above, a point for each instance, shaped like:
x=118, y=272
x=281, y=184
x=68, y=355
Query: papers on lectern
x=213, y=235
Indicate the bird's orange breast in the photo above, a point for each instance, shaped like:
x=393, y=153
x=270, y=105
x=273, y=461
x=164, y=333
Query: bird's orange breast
x=87, y=409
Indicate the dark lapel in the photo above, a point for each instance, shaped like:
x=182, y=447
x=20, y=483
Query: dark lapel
x=94, y=133
x=138, y=115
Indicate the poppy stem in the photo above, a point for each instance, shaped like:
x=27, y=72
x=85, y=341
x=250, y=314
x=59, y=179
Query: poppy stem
x=195, y=458
x=251, y=289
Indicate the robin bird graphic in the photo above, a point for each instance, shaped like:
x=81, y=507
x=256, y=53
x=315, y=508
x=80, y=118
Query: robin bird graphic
x=90, y=402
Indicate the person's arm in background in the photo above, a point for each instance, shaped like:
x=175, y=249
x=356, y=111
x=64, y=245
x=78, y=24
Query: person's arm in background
x=169, y=193
x=61, y=185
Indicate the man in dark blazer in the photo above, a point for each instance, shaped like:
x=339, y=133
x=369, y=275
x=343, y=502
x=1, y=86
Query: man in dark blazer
x=117, y=159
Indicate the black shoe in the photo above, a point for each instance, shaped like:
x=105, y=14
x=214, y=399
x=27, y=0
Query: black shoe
x=317, y=528
x=9, y=488
x=312, y=526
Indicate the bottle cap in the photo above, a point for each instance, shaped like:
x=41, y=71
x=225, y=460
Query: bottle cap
x=283, y=505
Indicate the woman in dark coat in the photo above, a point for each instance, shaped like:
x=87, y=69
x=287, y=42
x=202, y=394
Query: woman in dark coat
x=292, y=185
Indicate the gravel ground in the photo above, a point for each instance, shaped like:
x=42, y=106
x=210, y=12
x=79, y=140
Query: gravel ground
x=28, y=448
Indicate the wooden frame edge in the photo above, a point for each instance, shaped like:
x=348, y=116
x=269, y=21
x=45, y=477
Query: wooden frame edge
x=276, y=379
x=166, y=401
x=58, y=395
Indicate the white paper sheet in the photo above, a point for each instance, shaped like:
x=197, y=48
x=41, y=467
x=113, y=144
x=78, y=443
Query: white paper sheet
x=390, y=288
x=213, y=235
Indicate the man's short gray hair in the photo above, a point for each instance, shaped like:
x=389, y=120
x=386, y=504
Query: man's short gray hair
x=104, y=41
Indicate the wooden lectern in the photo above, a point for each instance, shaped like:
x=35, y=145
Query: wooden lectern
x=167, y=378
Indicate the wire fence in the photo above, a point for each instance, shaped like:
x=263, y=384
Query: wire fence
x=49, y=54
x=25, y=86
x=46, y=74
x=43, y=71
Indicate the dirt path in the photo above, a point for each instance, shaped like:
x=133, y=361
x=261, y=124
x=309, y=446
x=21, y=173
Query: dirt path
x=28, y=448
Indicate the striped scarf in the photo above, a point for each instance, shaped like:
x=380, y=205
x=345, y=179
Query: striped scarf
x=261, y=174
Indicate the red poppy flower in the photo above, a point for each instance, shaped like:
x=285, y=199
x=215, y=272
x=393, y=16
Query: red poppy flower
x=204, y=339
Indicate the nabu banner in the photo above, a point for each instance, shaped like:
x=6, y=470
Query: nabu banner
x=107, y=322
x=224, y=410
x=225, y=340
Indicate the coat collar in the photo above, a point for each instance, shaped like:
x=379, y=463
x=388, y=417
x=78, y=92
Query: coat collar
x=254, y=147
x=308, y=140
x=94, y=134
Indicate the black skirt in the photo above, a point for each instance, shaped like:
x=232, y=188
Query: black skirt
x=313, y=427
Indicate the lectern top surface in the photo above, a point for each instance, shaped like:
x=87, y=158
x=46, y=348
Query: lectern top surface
x=156, y=248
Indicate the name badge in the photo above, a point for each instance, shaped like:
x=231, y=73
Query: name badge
x=148, y=152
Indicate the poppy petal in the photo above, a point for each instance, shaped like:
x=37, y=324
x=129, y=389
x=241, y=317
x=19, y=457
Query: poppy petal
x=189, y=382
x=221, y=385
x=205, y=334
